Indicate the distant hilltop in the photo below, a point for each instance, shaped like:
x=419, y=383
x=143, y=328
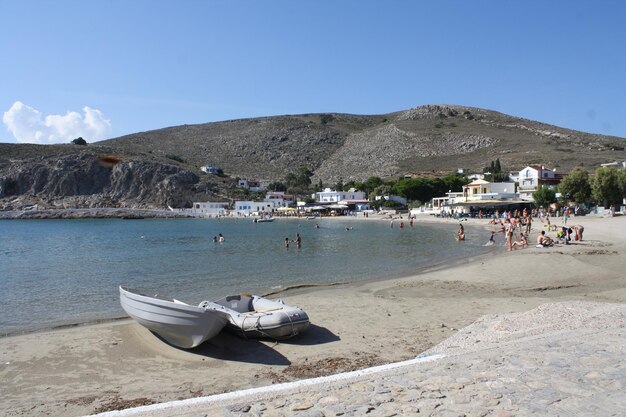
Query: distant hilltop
x=162, y=166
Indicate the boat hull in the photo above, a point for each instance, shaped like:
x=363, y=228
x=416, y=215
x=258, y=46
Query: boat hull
x=182, y=325
x=252, y=316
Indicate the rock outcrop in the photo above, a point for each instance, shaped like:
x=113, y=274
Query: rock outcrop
x=86, y=180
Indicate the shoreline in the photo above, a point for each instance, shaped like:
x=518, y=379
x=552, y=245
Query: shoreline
x=119, y=364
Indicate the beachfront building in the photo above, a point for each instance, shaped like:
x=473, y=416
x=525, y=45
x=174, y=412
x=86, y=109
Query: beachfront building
x=481, y=190
x=357, y=205
x=331, y=196
x=249, y=208
x=272, y=202
x=280, y=199
x=534, y=177
x=210, y=208
x=439, y=204
x=477, y=197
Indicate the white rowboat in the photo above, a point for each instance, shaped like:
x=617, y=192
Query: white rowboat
x=178, y=323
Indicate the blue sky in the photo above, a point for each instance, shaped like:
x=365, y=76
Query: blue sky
x=109, y=68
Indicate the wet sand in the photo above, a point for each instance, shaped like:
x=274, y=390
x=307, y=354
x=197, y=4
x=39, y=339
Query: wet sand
x=86, y=369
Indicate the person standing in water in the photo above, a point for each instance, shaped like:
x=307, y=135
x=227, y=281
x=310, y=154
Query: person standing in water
x=298, y=241
x=460, y=235
x=287, y=242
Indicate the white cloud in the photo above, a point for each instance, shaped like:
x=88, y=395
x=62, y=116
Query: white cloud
x=29, y=126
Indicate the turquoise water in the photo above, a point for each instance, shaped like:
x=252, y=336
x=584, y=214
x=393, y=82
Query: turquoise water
x=57, y=272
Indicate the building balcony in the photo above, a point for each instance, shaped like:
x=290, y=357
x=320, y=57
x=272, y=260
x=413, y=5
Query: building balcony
x=527, y=187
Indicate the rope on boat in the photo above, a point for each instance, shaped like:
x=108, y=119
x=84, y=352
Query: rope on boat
x=257, y=327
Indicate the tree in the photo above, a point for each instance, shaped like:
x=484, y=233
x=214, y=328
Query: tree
x=371, y=183
x=300, y=182
x=544, y=197
x=277, y=186
x=576, y=186
x=79, y=141
x=607, y=187
x=453, y=182
x=381, y=190
x=421, y=189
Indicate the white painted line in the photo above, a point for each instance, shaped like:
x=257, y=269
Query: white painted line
x=274, y=389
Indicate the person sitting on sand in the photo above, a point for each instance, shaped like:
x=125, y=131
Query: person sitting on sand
x=543, y=240
x=521, y=242
x=578, y=232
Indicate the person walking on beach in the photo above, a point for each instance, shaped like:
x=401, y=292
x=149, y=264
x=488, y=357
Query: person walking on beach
x=508, y=230
x=298, y=241
x=529, y=223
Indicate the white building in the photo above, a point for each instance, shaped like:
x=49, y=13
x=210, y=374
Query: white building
x=618, y=164
x=280, y=199
x=534, y=177
x=273, y=200
x=481, y=190
x=252, y=184
x=476, y=176
x=247, y=208
x=210, y=169
x=331, y=196
x=396, y=198
x=209, y=208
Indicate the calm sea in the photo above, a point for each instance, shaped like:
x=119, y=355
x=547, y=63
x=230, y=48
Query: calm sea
x=57, y=272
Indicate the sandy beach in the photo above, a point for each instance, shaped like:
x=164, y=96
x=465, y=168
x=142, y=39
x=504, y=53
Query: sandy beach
x=88, y=369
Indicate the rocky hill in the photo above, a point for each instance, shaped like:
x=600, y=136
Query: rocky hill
x=161, y=167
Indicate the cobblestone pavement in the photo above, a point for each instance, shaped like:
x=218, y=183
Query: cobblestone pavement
x=576, y=368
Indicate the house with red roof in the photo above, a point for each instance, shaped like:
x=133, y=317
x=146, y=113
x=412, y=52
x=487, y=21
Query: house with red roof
x=533, y=177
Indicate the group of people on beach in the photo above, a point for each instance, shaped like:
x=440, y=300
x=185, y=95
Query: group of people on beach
x=521, y=222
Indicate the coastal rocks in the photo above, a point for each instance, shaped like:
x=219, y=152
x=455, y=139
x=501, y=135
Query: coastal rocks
x=82, y=181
